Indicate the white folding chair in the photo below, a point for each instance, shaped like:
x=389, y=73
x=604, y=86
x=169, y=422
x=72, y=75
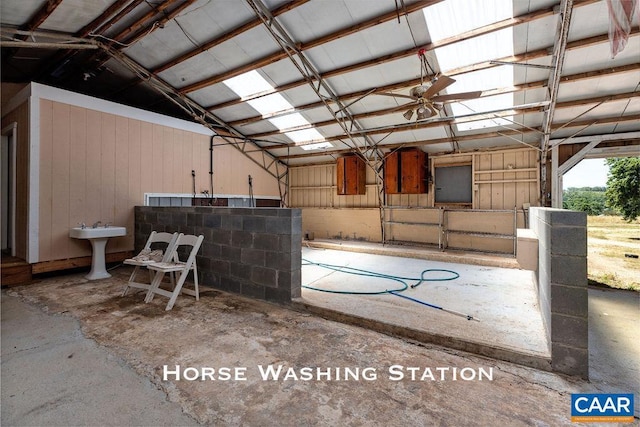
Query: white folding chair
x=148, y=256
x=174, y=267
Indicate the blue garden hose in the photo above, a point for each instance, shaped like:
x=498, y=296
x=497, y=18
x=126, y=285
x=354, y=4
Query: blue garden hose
x=402, y=280
x=366, y=273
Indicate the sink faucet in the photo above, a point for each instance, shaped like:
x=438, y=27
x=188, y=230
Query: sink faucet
x=95, y=224
x=107, y=225
x=82, y=225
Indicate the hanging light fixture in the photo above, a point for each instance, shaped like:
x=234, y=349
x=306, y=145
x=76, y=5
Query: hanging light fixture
x=423, y=113
x=408, y=114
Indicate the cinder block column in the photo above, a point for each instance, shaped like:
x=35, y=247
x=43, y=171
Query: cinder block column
x=562, y=286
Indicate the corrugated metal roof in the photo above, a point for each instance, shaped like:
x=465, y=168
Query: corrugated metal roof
x=357, y=46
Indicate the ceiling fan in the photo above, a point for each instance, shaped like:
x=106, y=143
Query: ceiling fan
x=425, y=101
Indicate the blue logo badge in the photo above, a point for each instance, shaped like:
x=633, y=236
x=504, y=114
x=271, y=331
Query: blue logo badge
x=602, y=407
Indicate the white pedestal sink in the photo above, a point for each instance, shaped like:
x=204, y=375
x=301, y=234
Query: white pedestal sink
x=98, y=238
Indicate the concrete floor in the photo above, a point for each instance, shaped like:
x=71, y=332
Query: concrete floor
x=119, y=346
x=503, y=299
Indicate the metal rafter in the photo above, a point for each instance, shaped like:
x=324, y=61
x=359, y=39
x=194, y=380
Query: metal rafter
x=277, y=56
x=526, y=56
x=342, y=115
x=214, y=42
x=414, y=82
x=386, y=111
x=397, y=55
x=490, y=135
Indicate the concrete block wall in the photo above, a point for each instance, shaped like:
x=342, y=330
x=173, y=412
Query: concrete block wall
x=562, y=286
x=255, y=252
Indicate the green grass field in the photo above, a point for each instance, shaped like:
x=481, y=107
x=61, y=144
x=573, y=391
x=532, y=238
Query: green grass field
x=610, y=242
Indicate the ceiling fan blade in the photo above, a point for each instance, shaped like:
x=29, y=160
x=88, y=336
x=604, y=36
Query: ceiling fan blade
x=395, y=95
x=457, y=96
x=441, y=83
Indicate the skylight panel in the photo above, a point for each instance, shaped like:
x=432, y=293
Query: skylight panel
x=289, y=121
x=252, y=83
x=317, y=146
x=497, y=44
x=453, y=17
x=248, y=84
x=270, y=104
x=305, y=135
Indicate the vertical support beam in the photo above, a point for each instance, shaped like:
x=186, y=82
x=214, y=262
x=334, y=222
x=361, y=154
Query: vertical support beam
x=370, y=153
x=556, y=179
x=559, y=49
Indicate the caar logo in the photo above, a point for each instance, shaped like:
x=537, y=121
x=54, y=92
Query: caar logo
x=603, y=407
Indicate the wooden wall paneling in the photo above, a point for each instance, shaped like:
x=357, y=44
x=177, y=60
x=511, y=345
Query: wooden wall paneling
x=201, y=150
x=157, y=158
x=335, y=200
x=229, y=177
x=93, y=161
x=146, y=158
x=484, y=190
x=77, y=176
x=61, y=184
x=220, y=156
x=122, y=207
x=475, y=196
x=509, y=195
x=310, y=183
x=200, y=145
x=263, y=183
x=325, y=191
x=372, y=190
x=314, y=192
x=522, y=188
x=173, y=172
x=184, y=160
x=293, y=182
x=181, y=176
x=497, y=189
x=305, y=182
x=302, y=194
x=136, y=197
x=164, y=143
x=330, y=180
x=325, y=180
x=108, y=168
x=46, y=181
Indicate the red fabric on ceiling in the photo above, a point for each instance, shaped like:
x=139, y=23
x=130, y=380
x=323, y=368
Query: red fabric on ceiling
x=620, y=18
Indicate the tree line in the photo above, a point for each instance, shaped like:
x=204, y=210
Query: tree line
x=621, y=196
